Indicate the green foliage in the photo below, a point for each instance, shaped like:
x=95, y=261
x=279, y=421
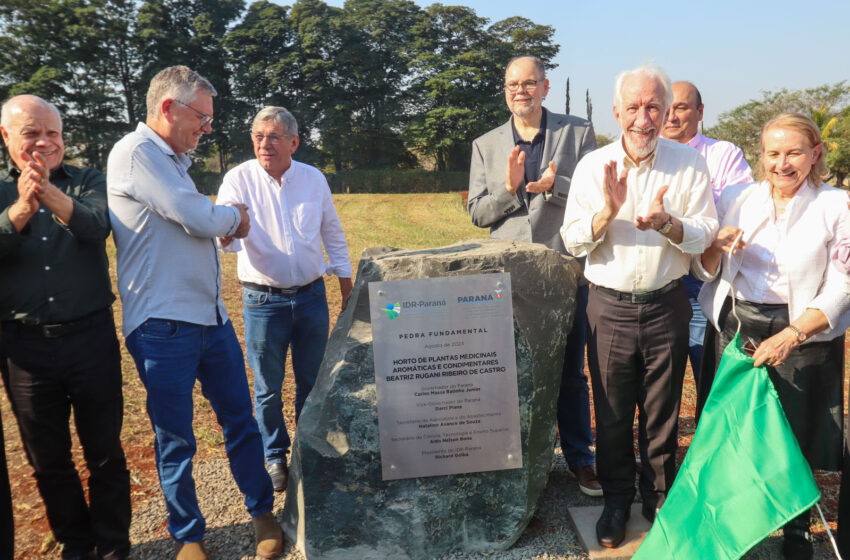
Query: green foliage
x=604, y=140
x=377, y=84
x=459, y=64
x=398, y=181
x=837, y=142
x=56, y=49
x=742, y=125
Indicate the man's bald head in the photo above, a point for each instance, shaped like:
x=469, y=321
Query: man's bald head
x=685, y=113
x=23, y=102
x=30, y=124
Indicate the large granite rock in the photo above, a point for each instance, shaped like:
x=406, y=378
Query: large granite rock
x=337, y=506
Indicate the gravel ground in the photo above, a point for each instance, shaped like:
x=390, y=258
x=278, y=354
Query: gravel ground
x=549, y=536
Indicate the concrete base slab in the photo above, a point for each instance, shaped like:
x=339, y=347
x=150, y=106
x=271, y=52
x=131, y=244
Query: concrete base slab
x=585, y=518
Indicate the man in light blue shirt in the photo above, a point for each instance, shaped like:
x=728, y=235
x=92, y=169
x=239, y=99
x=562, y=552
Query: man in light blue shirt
x=175, y=322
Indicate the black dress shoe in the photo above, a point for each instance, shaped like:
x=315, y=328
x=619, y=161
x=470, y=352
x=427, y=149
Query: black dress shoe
x=649, y=511
x=279, y=474
x=797, y=544
x=611, y=527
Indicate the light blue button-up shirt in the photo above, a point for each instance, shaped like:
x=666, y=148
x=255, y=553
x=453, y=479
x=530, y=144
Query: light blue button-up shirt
x=165, y=231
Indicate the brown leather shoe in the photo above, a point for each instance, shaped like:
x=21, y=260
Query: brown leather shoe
x=191, y=551
x=269, y=535
x=587, y=481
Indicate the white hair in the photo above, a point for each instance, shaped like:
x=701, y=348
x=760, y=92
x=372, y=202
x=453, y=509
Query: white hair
x=280, y=116
x=650, y=70
x=11, y=103
x=175, y=82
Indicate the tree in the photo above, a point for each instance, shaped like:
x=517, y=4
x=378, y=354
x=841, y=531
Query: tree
x=742, y=125
x=567, y=111
x=837, y=143
x=460, y=65
x=56, y=49
x=190, y=32
x=375, y=80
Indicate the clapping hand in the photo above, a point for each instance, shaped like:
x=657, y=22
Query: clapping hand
x=546, y=182
x=515, y=172
x=615, y=188
x=656, y=217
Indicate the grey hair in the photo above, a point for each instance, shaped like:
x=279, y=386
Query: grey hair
x=280, y=116
x=538, y=64
x=651, y=70
x=6, y=110
x=175, y=82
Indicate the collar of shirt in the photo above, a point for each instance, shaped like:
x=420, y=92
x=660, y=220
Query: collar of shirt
x=541, y=132
x=284, y=179
x=696, y=140
x=628, y=162
x=12, y=172
x=160, y=143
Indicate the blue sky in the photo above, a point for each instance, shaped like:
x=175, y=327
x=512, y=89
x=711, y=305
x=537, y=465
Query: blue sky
x=732, y=50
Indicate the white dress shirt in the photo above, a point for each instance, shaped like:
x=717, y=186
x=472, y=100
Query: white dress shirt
x=625, y=258
x=762, y=277
x=813, y=222
x=289, y=223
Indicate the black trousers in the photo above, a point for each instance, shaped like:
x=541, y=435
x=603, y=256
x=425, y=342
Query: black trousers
x=810, y=383
x=843, y=538
x=636, y=355
x=45, y=378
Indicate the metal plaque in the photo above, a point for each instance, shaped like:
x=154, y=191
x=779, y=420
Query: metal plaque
x=445, y=371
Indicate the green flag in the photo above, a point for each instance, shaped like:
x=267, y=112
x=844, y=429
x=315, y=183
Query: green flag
x=743, y=477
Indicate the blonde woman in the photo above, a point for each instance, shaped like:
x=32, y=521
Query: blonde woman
x=791, y=301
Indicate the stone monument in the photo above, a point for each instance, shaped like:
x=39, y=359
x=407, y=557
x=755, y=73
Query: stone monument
x=338, y=506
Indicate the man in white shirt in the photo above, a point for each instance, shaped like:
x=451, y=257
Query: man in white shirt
x=638, y=208
x=280, y=267
x=726, y=166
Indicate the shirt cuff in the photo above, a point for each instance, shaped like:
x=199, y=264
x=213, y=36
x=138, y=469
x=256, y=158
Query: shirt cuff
x=700, y=272
x=693, y=238
x=338, y=271
x=237, y=221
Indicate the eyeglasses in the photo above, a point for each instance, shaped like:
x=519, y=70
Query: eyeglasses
x=205, y=118
x=528, y=85
x=273, y=139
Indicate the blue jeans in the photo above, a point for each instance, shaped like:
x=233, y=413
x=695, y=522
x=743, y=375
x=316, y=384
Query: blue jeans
x=696, y=328
x=273, y=323
x=171, y=356
x=574, y=395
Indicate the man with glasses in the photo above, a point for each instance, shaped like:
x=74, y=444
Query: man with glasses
x=519, y=179
x=281, y=268
x=175, y=322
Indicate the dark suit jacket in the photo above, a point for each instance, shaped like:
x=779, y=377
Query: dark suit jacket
x=568, y=138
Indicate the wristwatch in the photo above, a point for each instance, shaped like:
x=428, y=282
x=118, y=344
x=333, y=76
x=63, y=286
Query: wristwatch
x=801, y=336
x=668, y=225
